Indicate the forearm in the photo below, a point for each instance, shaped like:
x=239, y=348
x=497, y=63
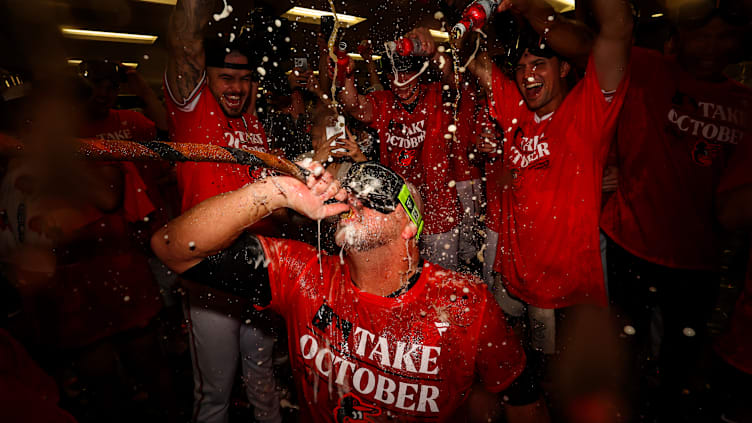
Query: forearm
x=355, y=104
x=373, y=76
x=614, y=41
x=482, y=68
x=185, y=63
x=570, y=38
x=155, y=110
x=215, y=223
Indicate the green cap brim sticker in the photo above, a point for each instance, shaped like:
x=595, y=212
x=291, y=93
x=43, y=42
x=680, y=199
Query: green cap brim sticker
x=411, y=208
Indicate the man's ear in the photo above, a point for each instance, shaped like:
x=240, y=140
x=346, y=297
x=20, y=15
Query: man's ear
x=564, y=69
x=409, y=230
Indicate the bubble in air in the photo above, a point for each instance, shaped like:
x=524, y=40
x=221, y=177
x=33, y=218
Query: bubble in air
x=277, y=23
x=261, y=71
x=438, y=15
x=452, y=128
x=688, y=332
x=629, y=330
x=126, y=298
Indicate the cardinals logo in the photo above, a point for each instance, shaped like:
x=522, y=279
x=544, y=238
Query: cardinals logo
x=703, y=152
x=406, y=157
x=351, y=409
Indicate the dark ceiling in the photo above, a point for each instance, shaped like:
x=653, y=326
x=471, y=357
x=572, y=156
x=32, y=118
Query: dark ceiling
x=30, y=37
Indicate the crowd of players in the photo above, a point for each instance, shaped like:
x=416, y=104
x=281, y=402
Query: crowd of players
x=538, y=235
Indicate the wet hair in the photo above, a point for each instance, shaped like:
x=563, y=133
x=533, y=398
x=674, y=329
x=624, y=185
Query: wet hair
x=517, y=36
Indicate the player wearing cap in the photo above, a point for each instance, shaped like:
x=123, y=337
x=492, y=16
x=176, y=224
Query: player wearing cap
x=412, y=121
x=373, y=333
x=210, y=95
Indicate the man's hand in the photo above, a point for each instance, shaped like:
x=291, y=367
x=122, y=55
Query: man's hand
x=351, y=147
x=610, y=179
x=365, y=50
x=310, y=199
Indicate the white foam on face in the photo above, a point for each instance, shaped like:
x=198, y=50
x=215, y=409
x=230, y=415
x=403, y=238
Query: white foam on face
x=530, y=79
x=225, y=12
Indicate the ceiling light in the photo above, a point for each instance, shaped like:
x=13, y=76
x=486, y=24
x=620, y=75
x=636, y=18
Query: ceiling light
x=442, y=36
x=356, y=56
x=76, y=62
x=122, y=37
x=313, y=16
x=170, y=2
x=561, y=6
x=656, y=15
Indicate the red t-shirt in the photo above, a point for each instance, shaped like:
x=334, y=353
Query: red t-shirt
x=413, y=145
x=675, y=136
x=735, y=345
x=140, y=195
x=548, y=252
x=200, y=120
x=414, y=356
x=126, y=125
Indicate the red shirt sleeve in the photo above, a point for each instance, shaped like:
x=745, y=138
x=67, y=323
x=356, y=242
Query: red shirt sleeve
x=286, y=262
x=603, y=108
x=500, y=358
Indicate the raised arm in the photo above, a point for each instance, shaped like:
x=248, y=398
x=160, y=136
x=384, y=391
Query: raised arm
x=186, y=60
x=357, y=105
x=214, y=224
x=570, y=38
x=613, y=42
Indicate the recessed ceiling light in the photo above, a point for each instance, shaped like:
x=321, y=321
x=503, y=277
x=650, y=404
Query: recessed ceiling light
x=134, y=65
x=439, y=35
x=313, y=16
x=170, y=2
x=356, y=56
x=561, y=6
x=122, y=37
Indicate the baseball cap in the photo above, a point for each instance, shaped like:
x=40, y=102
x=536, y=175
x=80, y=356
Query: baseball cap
x=379, y=188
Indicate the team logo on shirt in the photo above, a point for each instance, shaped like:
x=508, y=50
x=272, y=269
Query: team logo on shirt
x=352, y=409
x=406, y=157
x=706, y=126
